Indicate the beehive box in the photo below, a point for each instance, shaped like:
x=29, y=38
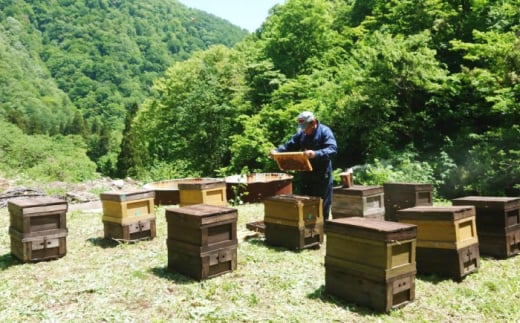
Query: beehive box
x=293, y=210
x=131, y=231
x=132, y=205
x=358, y=200
x=371, y=262
x=293, y=221
x=32, y=248
x=202, y=225
x=212, y=192
x=498, y=224
x=36, y=215
x=201, y=263
x=494, y=214
x=371, y=248
x=500, y=245
x=202, y=240
x=447, y=242
x=294, y=238
x=381, y=296
x=404, y=195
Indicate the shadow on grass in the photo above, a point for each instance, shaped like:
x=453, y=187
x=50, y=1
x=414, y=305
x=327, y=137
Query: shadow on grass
x=352, y=307
x=8, y=260
x=103, y=242
x=261, y=242
x=176, y=277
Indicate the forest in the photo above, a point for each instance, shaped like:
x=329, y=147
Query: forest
x=423, y=91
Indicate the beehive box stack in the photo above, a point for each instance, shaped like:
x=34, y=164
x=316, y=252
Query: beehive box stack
x=129, y=215
x=38, y=228
x=447, y=242
x=404, y=195
x=371, y=262
x=293, y=221
x=202, y=240
x=498, y=224
x=358, y=200
x=203, y=191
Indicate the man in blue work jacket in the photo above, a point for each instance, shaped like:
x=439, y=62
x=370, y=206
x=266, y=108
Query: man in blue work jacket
x=318, y=143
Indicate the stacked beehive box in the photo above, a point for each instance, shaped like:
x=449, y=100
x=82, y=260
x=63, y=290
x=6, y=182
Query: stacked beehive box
x=498, y=224
x=404, y=195
x=203, y=191
x=38, y=228
x=293, y=221
x=128, y=215
x=447, y=242
x=371, y=262
x=202, y=240
x=358, y=200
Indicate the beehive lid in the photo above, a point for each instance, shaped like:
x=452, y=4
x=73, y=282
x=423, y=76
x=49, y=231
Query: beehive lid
x=35, y=204
x=201, y=214
x=432, y=213
x=122, y=196
x=359, y=190
x=408, y=187
x=292, y=161
x=489, y=202
x=366, y=228
x=292, y=199
x=202, y=184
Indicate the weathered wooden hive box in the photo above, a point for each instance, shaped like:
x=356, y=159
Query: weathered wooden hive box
x=371, y=262
x=404, y=195
x=447, y=242
x=212, y=192
x=129, y=215
x=202, y=240
x=293, y=221
x=498, y=224
x=358, y=200
x=38, y=228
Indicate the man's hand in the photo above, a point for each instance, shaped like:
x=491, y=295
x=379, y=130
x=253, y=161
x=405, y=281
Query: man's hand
x=309, y=153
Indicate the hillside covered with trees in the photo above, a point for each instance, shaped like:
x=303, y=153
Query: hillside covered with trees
x=423, y=90
x=78, y=67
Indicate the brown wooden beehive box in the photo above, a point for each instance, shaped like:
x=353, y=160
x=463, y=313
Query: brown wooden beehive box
x=212, y=192
x=404, y=195
x=130, y=231
x=447, y=242
x=131, y=205
x=38, y=228
x=381, y=296
x=371, y=262
x=498, y=224
x=32, y=247
x=35, y=215
x=202, y=240
x=202, y=225
x=189, y=260
x=293, y=221
x=358, y=200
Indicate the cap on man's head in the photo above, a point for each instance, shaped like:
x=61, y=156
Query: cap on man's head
x=304, y=119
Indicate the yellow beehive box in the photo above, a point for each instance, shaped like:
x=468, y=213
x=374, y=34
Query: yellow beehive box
x=447, y=227
x=131, y=205
x=211, y=192
x=293, y=210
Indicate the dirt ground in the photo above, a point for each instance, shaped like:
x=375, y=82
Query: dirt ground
x=80, y=196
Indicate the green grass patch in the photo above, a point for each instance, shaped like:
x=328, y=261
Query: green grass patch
x=98, y=280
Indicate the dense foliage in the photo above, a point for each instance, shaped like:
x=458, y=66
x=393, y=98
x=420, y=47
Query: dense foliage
x=78, y=67
x=423, y=90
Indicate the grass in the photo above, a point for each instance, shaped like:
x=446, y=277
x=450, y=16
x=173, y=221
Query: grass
x=102, y=281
